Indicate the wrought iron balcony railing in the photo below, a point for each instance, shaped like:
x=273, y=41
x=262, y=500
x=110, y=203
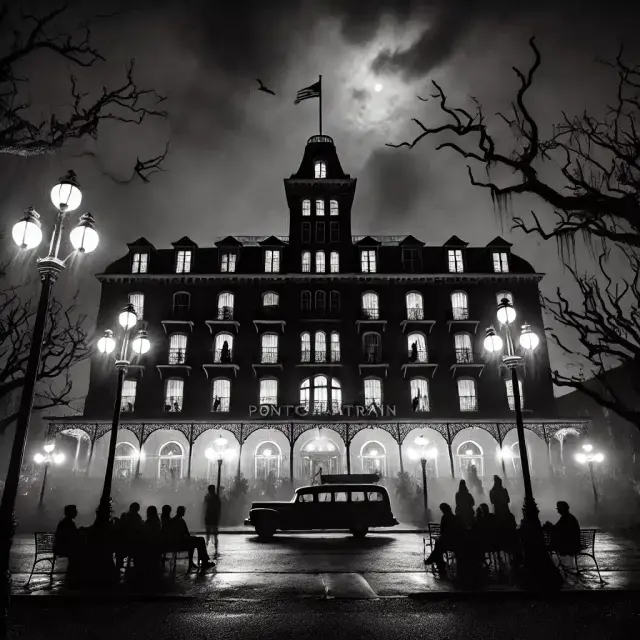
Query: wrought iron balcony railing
x=220, y=405
x=418, y=355
x=177, y=356
x=269, y=355
x=225, y=313
x=464, y=356
x=415, y=313
x=223, y=356
x=319, y=356
x=373, y=357
x=335, y=356
x=460, y=313
x=127, y=404
x=173, y=404
x=468, y=403
x=371, y=314
x=269, y=400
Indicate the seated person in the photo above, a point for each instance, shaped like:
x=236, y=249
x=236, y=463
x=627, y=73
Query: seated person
x=129, y=533
x=485, y=528
x=191, y=543
x=449, y=532
x=565, y=534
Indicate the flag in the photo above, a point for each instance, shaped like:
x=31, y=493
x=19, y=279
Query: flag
x=312, y=91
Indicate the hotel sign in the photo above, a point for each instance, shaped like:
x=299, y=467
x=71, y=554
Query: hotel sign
x=301, y=411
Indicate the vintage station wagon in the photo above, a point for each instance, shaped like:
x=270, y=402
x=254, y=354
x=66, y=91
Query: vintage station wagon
x=354, y=507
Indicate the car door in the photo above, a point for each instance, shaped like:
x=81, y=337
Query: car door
x=302, y=512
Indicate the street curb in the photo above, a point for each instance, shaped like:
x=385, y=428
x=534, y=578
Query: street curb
x=251, y=532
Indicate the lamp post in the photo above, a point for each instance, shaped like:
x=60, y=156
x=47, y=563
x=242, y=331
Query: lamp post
x=539, y=570
x=424, y=454
x=219, y=452
x=128, y=348
x=505, y=454
x=589, y=457
x=47, y=459
x=27, y=234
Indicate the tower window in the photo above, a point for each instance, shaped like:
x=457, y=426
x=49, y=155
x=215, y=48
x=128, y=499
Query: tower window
x=335, y=262
x=333, y=206
x=320, y=169
x=455, y=261
x=228, y=262
x=368, y=260
x=140, y=263
x=411, y=259
x=320, y=265
x=500, y=262
x=319, y=207
x=305, y=232
x=306, y=207
x=272, y=261
x=183, y=261
x=319, y=231
x=334, y=232
x=306, y=261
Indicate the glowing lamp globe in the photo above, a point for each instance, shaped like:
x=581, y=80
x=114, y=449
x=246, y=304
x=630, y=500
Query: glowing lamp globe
x=468, y=452
x=421, y=441
x=413, y=454
x=107, y=344
x=49, y=447
x=267, y=452
x=432, y=453
x=210, y=454
x=128, y=317
x=84, y=238
x=587, y=447
x=27, y=233
x=492, y=341
x=599, y=457
x=220, y=442
x=506, y=312
x=374, y=453
x=58, y=458
x=528, y=339
x=66, y=194
x=581, y=458
x=141, y=344
x=38, y=458
x=505, y=453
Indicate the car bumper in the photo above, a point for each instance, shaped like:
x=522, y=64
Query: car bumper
x=247, y=522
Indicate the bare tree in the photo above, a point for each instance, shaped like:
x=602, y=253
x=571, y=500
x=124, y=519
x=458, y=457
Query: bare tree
x=592, y=184
x=65, y=345
x=22, y=135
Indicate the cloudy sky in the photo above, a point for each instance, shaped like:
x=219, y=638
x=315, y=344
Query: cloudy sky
x=231, y=145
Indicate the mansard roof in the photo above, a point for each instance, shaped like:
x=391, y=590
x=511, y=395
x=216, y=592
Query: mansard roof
x=411, y=241
x=368, y=241
x=184, y=242
x=140, y=243
x=229, y=241
x=499, y=242
x=454, y=241
x=272, y=241
x=320, y=147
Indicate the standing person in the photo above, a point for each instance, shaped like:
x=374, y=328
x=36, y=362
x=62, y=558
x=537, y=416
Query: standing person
x=192, y=543
x=212, y=516
x=67, y=542
x=499, y=497
x=464, y=506
x=475, y=484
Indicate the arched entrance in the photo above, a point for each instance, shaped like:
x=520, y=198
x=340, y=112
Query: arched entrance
x=319, y=455
x=470, y=453
x=125, y=461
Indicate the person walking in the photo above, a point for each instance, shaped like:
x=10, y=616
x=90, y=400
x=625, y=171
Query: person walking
x=212, y=516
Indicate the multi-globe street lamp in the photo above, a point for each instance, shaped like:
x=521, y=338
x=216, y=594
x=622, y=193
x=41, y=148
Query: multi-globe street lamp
x=424, y=453
x=539, y=570
x=219, y=452
x=589, y=456
x=46, y=459
x=27, y=234
x=128, y=320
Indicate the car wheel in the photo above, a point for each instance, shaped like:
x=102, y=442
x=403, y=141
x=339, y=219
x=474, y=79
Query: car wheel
x=360, y=531
x=265, y=530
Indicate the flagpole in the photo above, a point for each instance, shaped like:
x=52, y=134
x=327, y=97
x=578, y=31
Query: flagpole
x=320, y=104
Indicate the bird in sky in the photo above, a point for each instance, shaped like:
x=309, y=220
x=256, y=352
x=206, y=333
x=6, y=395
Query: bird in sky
x=263, y=88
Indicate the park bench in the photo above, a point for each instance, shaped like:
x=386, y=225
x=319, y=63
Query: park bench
x=587, y=549
x=44, y=553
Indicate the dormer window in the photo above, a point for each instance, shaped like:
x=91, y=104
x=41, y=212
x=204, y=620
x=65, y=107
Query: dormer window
x=411, y=259
x=455, y=261
x=183, y=261
x=140, y=263
x=228, y=262
x=272, y=261
x=306, y=207
x=319, y=207
x=320, y=169
x=368, y=260
x=333, y=206
x=500, y=262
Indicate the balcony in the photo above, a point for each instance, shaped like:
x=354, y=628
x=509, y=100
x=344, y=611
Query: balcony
x=269, y=316
x=419, y=359
x=319, y=358
x=372, y=360
x=127, y=404
x=465, y=361
x=468, y=403
x=222, y=359
x=324, y=408
x=177, y=360
x=415, y=316
x=321, y=314
x=269, y=401
x=173, y=404
x=223, y=317
x=177, y=356
x=179, y=320
x=220, y=405
x=460, y=320
x=269, y=358
x=370, y=316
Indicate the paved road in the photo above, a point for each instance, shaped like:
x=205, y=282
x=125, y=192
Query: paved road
x=586, y=615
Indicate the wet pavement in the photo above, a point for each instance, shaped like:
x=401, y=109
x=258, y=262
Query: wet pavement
x=327, y=566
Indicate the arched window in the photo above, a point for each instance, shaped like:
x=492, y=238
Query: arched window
x=459, y=305
x=320, y=169
x=333, y=205
x=464, y=350
x=372, y=347
x=305, y=301
x=269, y=348
x=178, y=348
x=319, y=454
x=128, y=402
x=504, y=294
x=268, y=457
x=419, y=394
x=510, y=398
x=515, y=459
x=305, y=347
x=335, y=346
x=320, y=394
x=334, y=300
x=320, y=347
x=336, y=396
x=181, y=303
x=335, y=262
x=319, y=207
x=467, y=394
x=370, y=308
x=317, y=397
x=470, y=454
x=174, y=392
x=269, y=391
x=223, y=348
x=137, y=300
x=306, y=262
x=374, y=458
x=306, y=207
x=320, y=264
x=321, y=301
x=415, y=306
x=373, y=393
x=417, y=345
x=125, y=460
x=221, y=398
x=270, y=300
x=225, y=305
x=170, y=462
x=305, y=395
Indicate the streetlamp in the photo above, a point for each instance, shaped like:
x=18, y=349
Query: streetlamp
x=128, y=349
x=27, y=234
x=47, y=459
x=424, y=454
x=219, y=452
x=589, y=457
x=506, y=454
x=539, y=570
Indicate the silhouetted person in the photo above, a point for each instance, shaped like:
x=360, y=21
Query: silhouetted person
x=191, y=543
x=415, y=403
x=67, y=538
x=475, y=483
x=449, y=532
x=176, y=407
x=225, y=354
x=499, y=498
x=166, y=523
x=464, y=506
x=130, y=533
x=212, y=516
x=565, y=534
x=216, y=404
x=485, y=527
x=413, y=356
